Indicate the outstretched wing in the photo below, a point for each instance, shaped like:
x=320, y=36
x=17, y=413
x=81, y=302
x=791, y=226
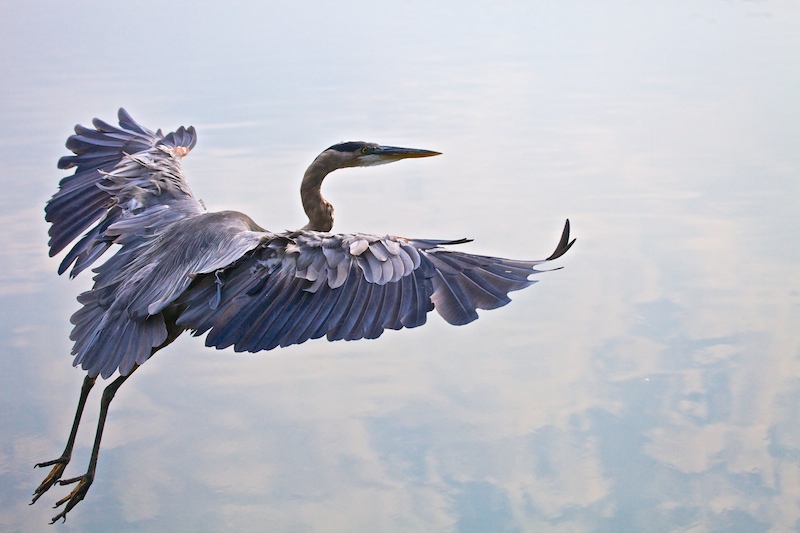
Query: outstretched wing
x=305, y=285
x=127, y=180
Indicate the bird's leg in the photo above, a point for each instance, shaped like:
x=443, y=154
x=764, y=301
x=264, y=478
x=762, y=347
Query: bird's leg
x=85, y=481
x=61, y=463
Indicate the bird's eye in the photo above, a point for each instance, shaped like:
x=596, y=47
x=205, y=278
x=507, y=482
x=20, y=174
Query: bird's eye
x=364, y=150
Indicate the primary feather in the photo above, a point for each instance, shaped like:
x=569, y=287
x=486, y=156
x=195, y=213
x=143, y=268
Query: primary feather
x=179, y=267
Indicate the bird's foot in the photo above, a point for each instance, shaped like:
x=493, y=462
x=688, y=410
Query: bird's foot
x=77, y=494
x=52, y=478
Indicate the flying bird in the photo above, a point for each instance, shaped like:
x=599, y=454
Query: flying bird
x=179, y=267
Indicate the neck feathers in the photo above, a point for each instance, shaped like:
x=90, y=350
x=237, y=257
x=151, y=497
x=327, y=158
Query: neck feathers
x=318, y=210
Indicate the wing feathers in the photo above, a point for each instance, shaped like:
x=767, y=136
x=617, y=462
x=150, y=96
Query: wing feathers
x=220, y=274
x=128, y=166
x=303, y=285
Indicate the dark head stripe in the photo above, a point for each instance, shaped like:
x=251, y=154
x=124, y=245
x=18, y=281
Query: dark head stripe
x=351, y=146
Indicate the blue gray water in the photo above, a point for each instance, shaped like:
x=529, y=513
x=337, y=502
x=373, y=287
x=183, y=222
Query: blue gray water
x=653, y=384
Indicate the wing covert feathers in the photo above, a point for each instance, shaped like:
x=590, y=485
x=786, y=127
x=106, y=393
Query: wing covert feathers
x=304, y=285
x=179, y=267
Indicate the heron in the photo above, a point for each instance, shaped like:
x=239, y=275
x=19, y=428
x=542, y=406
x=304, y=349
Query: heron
x=178, y=267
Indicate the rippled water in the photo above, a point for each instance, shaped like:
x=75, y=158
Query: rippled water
x=653, y=384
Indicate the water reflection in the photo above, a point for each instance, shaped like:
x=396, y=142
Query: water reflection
x=651, y=385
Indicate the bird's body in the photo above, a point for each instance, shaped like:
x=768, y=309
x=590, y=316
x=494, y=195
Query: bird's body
x=179, y=267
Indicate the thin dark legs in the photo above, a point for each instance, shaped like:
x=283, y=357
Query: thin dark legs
x=61, y=463
x=84, y=481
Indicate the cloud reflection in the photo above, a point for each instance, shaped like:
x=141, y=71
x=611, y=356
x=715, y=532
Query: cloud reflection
x=652, y=385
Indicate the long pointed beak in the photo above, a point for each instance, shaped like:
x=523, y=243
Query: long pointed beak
x=394, y=153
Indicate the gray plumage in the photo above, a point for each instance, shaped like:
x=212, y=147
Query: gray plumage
x=179, y=267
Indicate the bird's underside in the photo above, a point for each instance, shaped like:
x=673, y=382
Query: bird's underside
x=179, y=267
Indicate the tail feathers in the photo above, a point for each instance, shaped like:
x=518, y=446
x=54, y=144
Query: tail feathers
x=107, y=339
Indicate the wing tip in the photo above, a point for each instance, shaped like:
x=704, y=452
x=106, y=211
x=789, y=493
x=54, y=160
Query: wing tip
x=563, y=245
x=182, y=140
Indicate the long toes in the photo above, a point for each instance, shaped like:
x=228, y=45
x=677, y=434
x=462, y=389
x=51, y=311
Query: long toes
x=72, y=499
x=51, y=479
x=60, y=460
x=62, y=515
x=71, y=480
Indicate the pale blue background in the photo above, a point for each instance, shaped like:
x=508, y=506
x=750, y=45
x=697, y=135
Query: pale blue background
x=653, y=384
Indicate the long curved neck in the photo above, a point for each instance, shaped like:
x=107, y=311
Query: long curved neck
x=318, y=210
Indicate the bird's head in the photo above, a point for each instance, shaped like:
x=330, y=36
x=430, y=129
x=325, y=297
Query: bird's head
x=363, y=154
x=344, y=155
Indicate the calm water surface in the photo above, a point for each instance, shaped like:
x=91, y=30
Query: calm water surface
x=653, y=384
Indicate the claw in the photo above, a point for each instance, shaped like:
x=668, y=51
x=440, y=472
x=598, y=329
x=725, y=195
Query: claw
x=61, y=460
x=72, y=499
x=52, y=478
